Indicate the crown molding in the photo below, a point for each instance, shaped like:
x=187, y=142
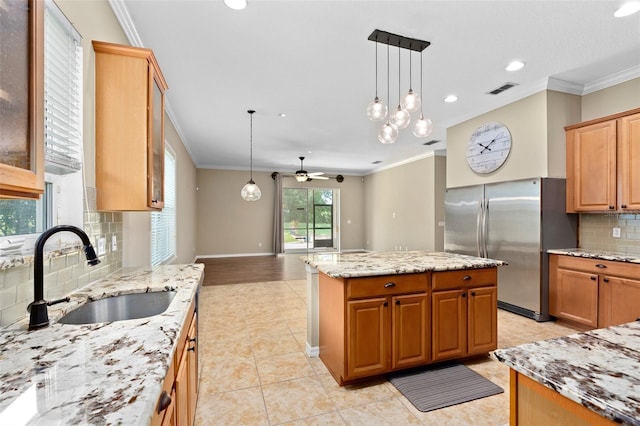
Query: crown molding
x=612, y=80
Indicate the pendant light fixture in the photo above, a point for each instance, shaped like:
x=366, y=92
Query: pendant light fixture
x=411, y=101
x=400, y=117
x=388, y=132
x=376, y=110
x=423, y=126
x=251, y=192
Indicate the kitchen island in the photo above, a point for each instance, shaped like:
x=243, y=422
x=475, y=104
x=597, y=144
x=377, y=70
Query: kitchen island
x=381, y=312
x=584, y=378
x=103, y=373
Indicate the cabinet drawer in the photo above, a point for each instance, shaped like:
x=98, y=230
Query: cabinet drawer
x=597, y=266
x=463, y=278
x=386, y=285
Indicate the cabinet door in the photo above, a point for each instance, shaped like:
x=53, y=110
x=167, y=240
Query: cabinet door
x=169, y=418
x=22, y=99
x=155, y=155
x=594, y=167
x=483, y=320
x=620, y=298
x=182, y=391
x=368, y=332
x=411, y=332
x=449, y=324
x=192, y=362
x=577, y=297
x=629, y=161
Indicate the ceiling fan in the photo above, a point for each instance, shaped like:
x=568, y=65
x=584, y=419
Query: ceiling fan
x=302, y=175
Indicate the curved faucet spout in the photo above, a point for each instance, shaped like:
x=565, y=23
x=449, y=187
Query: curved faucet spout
x=39, y=316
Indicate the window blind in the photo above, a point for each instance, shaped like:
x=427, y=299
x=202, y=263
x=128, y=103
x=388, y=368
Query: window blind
x=163, y=223
x=62, y=93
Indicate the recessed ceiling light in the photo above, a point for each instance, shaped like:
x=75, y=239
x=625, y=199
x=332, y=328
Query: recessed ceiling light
x=515, y=66
x=451, y=98
x=236, y=4
x=629, y=8
x=282, y=115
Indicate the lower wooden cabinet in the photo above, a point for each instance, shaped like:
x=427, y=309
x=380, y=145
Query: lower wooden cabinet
x=177, y=403
x=593, y=293
x=465, y=319
x=373, y=325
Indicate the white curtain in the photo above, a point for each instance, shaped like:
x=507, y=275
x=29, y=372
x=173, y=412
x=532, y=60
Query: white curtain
x=278, y=246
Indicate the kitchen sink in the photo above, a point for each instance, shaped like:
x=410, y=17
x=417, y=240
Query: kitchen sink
x=120, y=308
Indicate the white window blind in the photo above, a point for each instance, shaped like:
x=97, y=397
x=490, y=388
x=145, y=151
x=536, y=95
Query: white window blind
x=163, y=224
x=62, y=93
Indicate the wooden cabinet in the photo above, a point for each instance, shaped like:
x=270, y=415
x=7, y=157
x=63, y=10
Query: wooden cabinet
x=593, y=293
x=22, y=99
x=373, y=325
x=129, y=128
x=464, y=319
x=603, y=160
x=177, y=403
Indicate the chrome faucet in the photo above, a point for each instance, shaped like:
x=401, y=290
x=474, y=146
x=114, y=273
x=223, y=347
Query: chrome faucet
x=39, y=316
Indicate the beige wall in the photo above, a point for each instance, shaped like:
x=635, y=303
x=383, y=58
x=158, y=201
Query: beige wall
x=526, y=120
x=614, y=99
x=562, y=109
x=227, y=225
x=404, y=206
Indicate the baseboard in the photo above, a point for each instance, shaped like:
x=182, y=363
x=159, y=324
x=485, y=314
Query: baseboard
x=213, y=256
x=312, y=351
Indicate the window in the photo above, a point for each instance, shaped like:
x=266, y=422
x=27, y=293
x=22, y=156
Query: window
x=163, y=224
x=63, y=137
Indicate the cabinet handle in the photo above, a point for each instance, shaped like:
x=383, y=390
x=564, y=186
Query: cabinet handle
x=600, y=265
x=612, y=207
x=464, y=294
x=385, y=304
x=389, y=285
x=624, y=206
x=606, y=280
x=192, y=349
x=466, y=278
x=473, y=293
x=163, y=402
x=154, y=201
x=397, y=302
x=195, y=339
x=593, y=278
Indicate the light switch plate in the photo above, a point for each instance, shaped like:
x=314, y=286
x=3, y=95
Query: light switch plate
x=616, y=232
x=102, y=242
x=114, y=243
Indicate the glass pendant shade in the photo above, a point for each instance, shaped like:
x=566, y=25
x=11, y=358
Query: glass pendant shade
x=388, y=133
x=411, y=101
x=376, y=110
x=251, y=192
x=423, y=127
x=400, y=117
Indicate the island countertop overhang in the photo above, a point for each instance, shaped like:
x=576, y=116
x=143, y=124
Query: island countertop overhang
x=352, y=265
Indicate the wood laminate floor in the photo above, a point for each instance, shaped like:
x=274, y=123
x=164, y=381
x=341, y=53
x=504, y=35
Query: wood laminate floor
x=252, y=269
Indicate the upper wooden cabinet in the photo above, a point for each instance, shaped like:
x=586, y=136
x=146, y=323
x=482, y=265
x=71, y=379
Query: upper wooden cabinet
x=22, y=99
x=129, y=128
x=603, y=157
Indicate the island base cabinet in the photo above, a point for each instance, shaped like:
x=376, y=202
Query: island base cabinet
x=449, y=324
x=411, y=333
x=482, y=320
x=532, y=404
x=368, y=334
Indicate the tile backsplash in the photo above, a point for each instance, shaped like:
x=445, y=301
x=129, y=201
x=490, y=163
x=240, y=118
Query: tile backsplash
x=65, y=271
x=596, y=232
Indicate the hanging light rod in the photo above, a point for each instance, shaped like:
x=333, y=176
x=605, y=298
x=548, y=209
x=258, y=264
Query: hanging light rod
x=385, y=37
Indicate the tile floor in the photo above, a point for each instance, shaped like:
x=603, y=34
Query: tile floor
x=254, y=370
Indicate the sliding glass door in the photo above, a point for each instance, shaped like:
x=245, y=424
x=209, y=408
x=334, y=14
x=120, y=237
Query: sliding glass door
x=309, y=219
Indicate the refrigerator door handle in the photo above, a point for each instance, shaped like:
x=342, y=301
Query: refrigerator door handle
x=485, y=229
x=479, y=237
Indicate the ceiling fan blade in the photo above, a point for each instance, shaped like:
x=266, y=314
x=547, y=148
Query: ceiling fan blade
x=318, y=177
x=315, y=174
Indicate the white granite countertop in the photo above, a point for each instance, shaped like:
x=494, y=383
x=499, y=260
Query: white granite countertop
x=96, y=374
x=350, y=265
x=599, y=369
x=597, y=254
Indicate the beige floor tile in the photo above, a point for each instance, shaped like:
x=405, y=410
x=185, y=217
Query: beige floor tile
x=222, y=375
x=261, y=327
x=296, y=399
x=355, y=395
x=328, y=419
x=283, y=367
x=239, y=348
x=274, y=344
x=318, y=366
x=390, y=412
x=240, y=407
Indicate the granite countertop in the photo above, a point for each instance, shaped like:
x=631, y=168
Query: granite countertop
x=597, y=254
x=599, y=369
x=350, y=265
x=95, y=374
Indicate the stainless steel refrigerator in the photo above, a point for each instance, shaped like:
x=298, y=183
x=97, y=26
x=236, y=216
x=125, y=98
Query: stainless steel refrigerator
x=516, y=221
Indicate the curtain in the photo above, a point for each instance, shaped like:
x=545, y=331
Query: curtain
x=278, y=246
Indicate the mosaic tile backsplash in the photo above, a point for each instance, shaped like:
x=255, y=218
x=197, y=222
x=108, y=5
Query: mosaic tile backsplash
x=65, y=269
x=596, y=232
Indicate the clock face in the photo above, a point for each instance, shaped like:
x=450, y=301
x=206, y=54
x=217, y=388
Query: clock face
x=488, y=147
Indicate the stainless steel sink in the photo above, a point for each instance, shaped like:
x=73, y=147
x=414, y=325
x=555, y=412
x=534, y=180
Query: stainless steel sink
x=119, y=308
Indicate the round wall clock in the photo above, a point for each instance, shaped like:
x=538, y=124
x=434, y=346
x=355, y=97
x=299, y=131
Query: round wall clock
x=488, y=147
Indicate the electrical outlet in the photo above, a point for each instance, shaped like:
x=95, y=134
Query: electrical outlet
x=102, y=242
x=616, y=232
x=114, y=243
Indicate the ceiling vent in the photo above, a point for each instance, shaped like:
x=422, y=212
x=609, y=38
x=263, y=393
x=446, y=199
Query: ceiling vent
x=502, y=88
x=431, y=142
x=376, y=162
